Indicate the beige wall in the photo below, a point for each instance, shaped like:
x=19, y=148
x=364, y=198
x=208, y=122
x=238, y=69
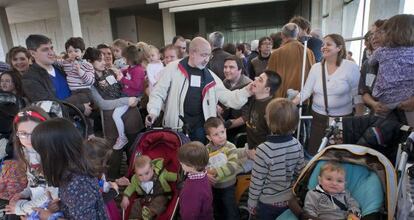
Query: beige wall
x=96, y=29
x=150, y=31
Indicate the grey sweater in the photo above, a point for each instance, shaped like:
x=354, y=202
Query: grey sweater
x=320, y=204
x=278, y=163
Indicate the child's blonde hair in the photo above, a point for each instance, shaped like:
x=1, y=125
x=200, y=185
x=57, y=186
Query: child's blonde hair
x=141, y=161
x=153, y=48
x=282, y=116
x=332, y=166
x=121, y=43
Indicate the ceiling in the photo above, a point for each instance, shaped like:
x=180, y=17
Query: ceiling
x=19, y=11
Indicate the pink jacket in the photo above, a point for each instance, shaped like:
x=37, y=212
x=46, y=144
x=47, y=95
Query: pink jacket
x=133, y=80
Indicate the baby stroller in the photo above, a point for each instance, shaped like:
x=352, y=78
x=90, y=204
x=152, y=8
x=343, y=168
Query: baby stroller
x=158, y=143
x=66, y=110
x=370, y=178
x=405, y=172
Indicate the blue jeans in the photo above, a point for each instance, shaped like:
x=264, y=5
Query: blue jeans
x=224, y=203
x=268, y=212
x=198, y=134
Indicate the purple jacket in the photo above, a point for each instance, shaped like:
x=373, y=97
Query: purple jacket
x=395, y=77
x=196, y=200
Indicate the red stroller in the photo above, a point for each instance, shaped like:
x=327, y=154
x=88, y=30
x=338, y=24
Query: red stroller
x=158, y=143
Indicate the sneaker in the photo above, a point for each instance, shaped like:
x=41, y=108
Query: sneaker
x=120, y=142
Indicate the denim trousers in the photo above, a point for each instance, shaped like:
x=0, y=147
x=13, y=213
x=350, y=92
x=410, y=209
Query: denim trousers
x=269, y=212
x=224, y=203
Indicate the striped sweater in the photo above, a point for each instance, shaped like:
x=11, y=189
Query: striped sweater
x=82, y=79
x=278, y=163
x=226, y=173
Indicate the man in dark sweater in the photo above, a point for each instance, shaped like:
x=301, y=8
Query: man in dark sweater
x=253, y=113
x=259, y=64
x=45, y=80
x=216, y=64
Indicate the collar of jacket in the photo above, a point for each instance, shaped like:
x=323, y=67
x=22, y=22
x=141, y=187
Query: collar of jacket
x=263, y=58
x=210, y=82
x=279, y=138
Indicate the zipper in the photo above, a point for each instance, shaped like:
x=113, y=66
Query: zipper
x=179, y=101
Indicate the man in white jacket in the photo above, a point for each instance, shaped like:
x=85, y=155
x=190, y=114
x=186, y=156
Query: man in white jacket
x=192, y=91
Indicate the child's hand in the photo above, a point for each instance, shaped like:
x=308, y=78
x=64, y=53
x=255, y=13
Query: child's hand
x=123, y=181
x=10, y=208
x=44, y=214
x=211, y=179
x=114, y=186
x=251, y=153
x=125, y=203
x=252, y=210
x=77, y=66
x=352, y=217
x=212, y=171
x=53, y=205
x=118, y=74
x=16, y=197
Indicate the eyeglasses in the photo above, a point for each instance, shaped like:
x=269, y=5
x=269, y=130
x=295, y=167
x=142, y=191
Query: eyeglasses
x=23, y=135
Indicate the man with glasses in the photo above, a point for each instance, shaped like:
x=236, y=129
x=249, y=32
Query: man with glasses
x=259, y=64
x=190, y=91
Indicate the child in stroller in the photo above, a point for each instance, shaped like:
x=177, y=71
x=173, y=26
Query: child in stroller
x=330, y=199
x=370, y=179
x=158, y=144
x=151, y=183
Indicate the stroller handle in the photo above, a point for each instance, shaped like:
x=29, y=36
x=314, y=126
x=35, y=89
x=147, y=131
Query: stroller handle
x=329, y=132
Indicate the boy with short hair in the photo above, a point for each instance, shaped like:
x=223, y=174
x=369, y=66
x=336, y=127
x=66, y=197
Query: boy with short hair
x=277, y=163
x=222, y=169
x=195, y=197
x=150, y=181
x=330, y=199
x=79, y=73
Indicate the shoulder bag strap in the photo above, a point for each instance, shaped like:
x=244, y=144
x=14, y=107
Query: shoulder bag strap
x=325, y=94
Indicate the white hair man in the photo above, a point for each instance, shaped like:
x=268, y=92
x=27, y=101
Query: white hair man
x=191, y=91
x=218, y=55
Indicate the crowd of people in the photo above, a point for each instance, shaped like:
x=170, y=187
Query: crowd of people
x=211, y=90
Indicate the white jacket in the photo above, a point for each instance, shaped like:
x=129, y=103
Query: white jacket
x=172, y=89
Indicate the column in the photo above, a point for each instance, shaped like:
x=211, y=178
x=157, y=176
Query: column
x=69, y=19
x=168, y=25
x=5, y=34
x=202, y=26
